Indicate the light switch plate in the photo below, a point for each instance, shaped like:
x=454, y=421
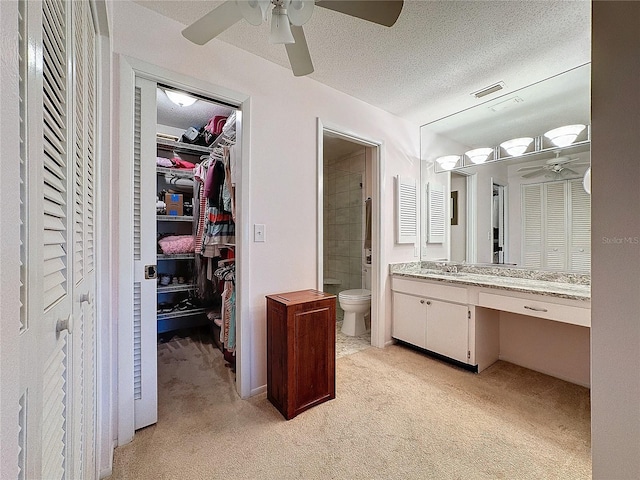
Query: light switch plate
x=259, y=232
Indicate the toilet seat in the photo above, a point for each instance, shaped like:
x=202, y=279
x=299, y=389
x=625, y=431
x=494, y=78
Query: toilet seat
x=355, y=294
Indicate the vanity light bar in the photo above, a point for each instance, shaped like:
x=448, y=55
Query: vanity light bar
x=539, y=146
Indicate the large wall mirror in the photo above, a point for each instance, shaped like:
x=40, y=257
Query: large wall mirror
x=529, y=208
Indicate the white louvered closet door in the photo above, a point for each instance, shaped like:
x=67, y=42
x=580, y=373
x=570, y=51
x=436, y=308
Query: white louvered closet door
x=579, y=212
x=555, y=226
x=55, y=416
x=145, y=341
x=532, y=235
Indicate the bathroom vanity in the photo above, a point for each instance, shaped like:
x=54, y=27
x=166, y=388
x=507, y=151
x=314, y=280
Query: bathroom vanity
x=455, y=310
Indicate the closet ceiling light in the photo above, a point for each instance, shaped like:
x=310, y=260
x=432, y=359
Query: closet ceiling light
x=479, y=155
x=448, y=162
x=564, y=136
x=517, y=146
x=180, y=98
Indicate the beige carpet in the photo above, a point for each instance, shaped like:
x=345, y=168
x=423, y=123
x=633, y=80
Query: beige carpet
x=398, y=414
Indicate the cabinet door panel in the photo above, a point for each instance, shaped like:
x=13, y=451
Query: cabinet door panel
x=409, y=319
x=448, y=330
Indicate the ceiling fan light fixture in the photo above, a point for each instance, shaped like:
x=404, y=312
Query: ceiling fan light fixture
x=564, y=136
x=479, y=155
x=448, y=162
x=280, y=27
x=517, y=146
x=300, y=11
x=586, y=181
x=181, y=99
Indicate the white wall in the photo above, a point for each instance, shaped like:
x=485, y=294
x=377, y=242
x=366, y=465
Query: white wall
x=615, y=200
x=283, y=173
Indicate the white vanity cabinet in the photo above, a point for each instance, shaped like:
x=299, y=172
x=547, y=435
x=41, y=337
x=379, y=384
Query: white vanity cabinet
x=424, y=316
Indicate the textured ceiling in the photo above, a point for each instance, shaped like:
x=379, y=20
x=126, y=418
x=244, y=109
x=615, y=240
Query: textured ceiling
x=437, y=53
x=195, y=115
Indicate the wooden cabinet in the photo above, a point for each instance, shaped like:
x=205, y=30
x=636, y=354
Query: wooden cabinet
x=435, y=325
x=301, y=329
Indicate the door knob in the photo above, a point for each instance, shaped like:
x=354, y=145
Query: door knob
x=86, y=297
x=64, y=324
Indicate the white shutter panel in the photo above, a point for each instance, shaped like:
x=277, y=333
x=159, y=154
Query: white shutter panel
x=54, y=159
x=436, y=205
x=531, y=199
x=579, y=211
x=406, y=213
x=555, y=226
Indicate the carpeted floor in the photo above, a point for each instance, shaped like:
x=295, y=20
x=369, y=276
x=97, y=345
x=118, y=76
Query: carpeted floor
x=398, y=414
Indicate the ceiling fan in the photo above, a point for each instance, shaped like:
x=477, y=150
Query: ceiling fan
x=555, y=168
x=287, y=18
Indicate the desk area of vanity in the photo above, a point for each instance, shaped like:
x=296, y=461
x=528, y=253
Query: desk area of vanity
x=478, y=314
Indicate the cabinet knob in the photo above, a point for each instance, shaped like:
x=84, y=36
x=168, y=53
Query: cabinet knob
x=422, y=301
x=428, y=302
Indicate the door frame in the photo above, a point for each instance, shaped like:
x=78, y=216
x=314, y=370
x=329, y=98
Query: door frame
x=378, y=303
x=128, y=69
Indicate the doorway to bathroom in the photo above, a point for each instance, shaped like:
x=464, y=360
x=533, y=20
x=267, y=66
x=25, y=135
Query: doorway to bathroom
x=347, y=243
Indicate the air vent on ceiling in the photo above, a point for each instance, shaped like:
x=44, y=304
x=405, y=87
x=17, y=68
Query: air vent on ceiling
x=488, y=90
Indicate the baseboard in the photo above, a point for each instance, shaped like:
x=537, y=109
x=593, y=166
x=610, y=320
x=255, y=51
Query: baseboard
x=546, y=372
x=388, y=343
x=259, y=390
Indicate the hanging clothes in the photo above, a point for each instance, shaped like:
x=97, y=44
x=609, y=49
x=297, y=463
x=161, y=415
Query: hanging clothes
x=219, y=225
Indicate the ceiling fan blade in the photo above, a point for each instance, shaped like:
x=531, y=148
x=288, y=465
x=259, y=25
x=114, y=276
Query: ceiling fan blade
x=382, y=12
x=213, y=23
x=535, y=173
x=524, y=169
x=568, y=171
x=298, y=53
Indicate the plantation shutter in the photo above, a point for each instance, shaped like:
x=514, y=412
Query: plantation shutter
x=406, y=210
x=436, y=223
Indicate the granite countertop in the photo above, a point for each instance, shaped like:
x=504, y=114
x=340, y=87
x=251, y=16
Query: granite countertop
x=556, y=284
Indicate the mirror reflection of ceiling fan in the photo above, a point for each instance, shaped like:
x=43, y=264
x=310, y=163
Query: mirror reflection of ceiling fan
x=287, y=18
x=556, y=168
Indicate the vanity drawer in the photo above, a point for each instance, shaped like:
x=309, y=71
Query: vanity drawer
x=536, y=308
x=433, y=290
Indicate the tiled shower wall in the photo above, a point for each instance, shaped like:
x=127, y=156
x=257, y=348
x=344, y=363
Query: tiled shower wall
x=343, y=221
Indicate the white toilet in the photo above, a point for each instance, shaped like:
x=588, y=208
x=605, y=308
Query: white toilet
x=356, y=304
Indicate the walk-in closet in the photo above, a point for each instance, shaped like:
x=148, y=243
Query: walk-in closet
x=186, y=169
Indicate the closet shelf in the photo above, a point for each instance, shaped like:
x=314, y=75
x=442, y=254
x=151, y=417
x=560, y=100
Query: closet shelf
x=176, y=172
x=166, y=144
x=180, y=313
x=174, y=218
x=180, y=287
x=177, y=256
